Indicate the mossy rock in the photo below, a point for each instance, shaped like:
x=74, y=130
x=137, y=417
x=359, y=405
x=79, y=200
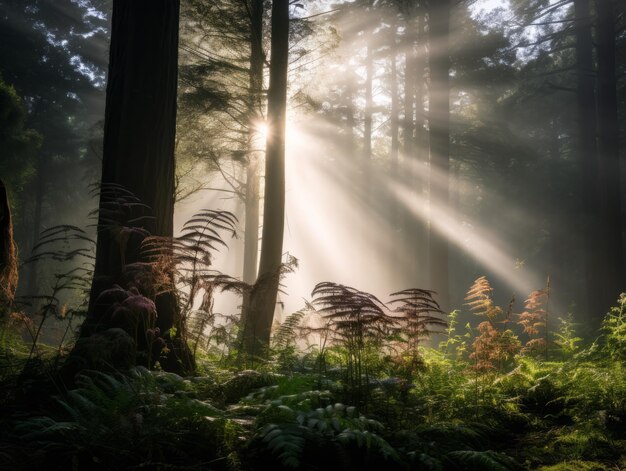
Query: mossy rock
x=110, y=350
x=575, y=466
x=206, y=387
x=171, y=382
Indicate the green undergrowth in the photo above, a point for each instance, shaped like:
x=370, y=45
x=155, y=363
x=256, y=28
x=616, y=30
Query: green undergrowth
x=427, y=409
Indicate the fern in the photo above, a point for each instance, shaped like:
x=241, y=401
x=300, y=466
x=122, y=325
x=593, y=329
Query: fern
x=565, y=337
x=184, y=264
x=287, y=442
x=479, y=299
x=287, y=331
x=358, y=320
x=418, y=311
x=534, y=320
x=334, y=430
x=127, y=421
x=614, y=330
x=494, y=345
x=354, y=314
x=72, y=279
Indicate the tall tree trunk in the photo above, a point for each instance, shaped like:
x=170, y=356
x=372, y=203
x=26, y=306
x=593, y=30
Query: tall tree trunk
x=608, y=149
x=31, y=287
x=420, y=148
x=408, y=122
x=421, y=138
x=560, y=223
x=394, y=151
x=251, y=237
x=138, y=154
x=439, y=141
x=258, y=325
x=588, y=159
x=407, y=218
x=8, y=255
x=369, y=104
x=395, y=109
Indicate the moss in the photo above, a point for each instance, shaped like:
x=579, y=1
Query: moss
x=575, y=466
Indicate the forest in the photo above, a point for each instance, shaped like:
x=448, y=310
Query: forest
x=313, y=234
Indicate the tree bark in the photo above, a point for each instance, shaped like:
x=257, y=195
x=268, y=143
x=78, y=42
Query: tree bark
x=587, y=156
x=138, y=154
x=369, y=104
x=439, y=120
x=420, y=148
x=608, y=150
x=395, y=109
x=31, y=287
x=251, y=237
x=408, y=122
x=258, y=325
x=8, y=255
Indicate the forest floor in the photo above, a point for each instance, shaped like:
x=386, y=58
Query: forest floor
x=558, y=415
x=462, y=406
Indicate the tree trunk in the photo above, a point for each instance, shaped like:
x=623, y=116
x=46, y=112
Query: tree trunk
x=395, y=109
x=439, y=141
x=138, y=157
x=258, y=326
x=608, y=149
x=369, y=105
x=588, y=159
x=408, y=123
x=394, y=151
x=251, y=237
x=31, y=287
x=420, y=149
x=8, y=255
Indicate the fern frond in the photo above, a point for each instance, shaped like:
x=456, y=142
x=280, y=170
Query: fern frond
x=286, y=332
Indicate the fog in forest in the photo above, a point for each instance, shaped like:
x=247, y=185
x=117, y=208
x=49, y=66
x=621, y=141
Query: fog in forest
x=243, y=235
x=364, y=222
x=357, y=215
